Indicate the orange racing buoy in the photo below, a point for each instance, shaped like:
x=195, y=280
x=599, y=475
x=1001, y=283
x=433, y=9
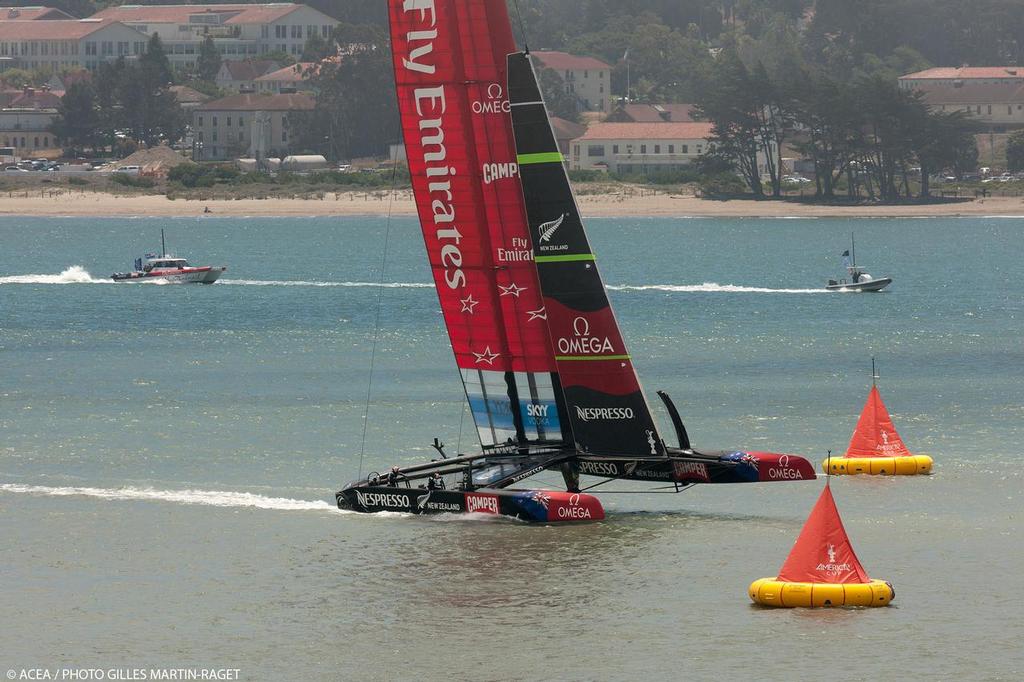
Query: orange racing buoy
x=875, y=447
x=822, y=569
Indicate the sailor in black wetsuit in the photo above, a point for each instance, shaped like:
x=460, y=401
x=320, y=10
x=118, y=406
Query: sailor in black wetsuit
x=435, y=482
x=393, y=476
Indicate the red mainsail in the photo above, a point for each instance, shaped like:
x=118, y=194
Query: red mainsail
x=450, y=74
x=822, y=553
x=875, y=435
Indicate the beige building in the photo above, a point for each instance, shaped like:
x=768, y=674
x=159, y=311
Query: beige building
x=294, y=78
x=992, y=95
x=246, y=125
x=27, y=130
x=239, y=31
x=65, y=44
x=639, y=147
x=241, y=76
x=587, y=78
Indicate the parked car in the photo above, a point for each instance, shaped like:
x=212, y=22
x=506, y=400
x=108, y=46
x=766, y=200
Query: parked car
x=14, y=169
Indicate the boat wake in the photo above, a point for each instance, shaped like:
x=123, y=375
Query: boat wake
x=210, y=498
x=711, y=287
x=76, y=274
x=301, y=283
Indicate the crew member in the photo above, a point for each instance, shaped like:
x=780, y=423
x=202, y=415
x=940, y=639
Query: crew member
x=393, y=476
x=435, y=482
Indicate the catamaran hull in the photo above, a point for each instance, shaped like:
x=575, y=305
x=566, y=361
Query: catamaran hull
x=726, y=467
x=205, y=275
x=870, y=285
x=539, y=506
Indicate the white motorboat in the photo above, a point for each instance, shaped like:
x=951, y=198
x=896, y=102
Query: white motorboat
x=167, y=268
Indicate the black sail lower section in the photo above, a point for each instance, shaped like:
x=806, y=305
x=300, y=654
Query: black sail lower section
x=604, y=402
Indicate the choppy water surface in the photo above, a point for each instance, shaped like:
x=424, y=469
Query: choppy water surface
x=168, y=457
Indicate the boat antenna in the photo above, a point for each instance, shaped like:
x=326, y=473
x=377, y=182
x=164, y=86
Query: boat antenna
x=522, y=27
x=853, y=251
x=828, y=467
x=163, y=244
x=376, y=318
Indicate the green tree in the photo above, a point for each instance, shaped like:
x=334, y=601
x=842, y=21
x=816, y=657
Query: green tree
x=209, y=60
x=1015, y=151
x=557, y=97
x=342, y=126
x=77, y=121
x=154, y=61
x=317, y=48
x=831, y=123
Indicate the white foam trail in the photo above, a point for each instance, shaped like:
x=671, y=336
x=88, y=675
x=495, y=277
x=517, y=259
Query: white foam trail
x=76, y=274
x=712, y=287
x=302, y=283
x=212, y=498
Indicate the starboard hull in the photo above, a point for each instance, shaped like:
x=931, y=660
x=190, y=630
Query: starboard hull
x=725, y=467
x=538, y=506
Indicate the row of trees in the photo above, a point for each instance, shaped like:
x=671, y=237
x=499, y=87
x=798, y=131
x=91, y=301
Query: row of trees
x=876, y=134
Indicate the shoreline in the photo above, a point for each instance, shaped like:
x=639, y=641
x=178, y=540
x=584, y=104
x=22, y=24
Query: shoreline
x=352, y=204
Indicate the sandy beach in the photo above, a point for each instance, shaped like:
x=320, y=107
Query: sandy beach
x=379, y=203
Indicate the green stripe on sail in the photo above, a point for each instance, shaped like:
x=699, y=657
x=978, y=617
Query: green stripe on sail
x=564, y=258
x=592, y=357
x=540, y=157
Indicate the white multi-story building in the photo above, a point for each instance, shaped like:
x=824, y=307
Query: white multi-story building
x=245, y=125
x=238, y=31
x=66, y=44
x=587, y=78
x=639, y=147
x=993, y=95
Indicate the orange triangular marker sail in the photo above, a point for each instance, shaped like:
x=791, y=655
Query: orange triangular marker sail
x=875, y=435
x=822, y=553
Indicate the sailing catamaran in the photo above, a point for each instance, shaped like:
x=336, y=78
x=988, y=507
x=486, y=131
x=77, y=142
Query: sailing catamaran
x=548, y=378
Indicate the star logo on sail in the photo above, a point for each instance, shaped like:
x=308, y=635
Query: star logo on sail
x=511, y=290
x=538, y=314
x=487, y=356
x=468, y=304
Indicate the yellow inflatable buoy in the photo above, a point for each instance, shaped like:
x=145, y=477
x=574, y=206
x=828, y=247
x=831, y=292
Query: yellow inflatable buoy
x=876, y=448
x=775, y=592
x=822, y=569
x=907, y=465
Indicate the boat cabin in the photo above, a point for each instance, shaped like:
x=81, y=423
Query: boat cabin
x=165, y=263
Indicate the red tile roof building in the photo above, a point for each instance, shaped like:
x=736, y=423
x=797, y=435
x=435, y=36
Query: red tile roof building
x=246, y=125
x=993, y=95
x=239, y=31
x=294, y=78
x=651, y=113
x=587, y=78
x=66, y=43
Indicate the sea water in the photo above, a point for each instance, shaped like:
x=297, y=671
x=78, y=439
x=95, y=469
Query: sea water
x=169, y=454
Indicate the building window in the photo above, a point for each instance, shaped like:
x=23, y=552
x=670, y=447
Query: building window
x=264, y=31
x=657, y=149
x=643, y=149
x=686, y=149
x=989, y=109
x=671, y=149
x=586, y=74
x=228, y=122
x=200, y=120
x=284, y=134
x=615, y=149
x=325, y=31
x=595, y=150
x=214, y=135
x=46, y=141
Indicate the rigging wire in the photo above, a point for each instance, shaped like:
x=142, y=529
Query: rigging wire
x=376, y=317
x=522, y=26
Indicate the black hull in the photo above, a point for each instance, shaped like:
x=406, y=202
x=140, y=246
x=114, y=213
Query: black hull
x=540, y=506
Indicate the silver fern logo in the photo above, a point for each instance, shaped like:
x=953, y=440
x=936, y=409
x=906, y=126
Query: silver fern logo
x=547, y=229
